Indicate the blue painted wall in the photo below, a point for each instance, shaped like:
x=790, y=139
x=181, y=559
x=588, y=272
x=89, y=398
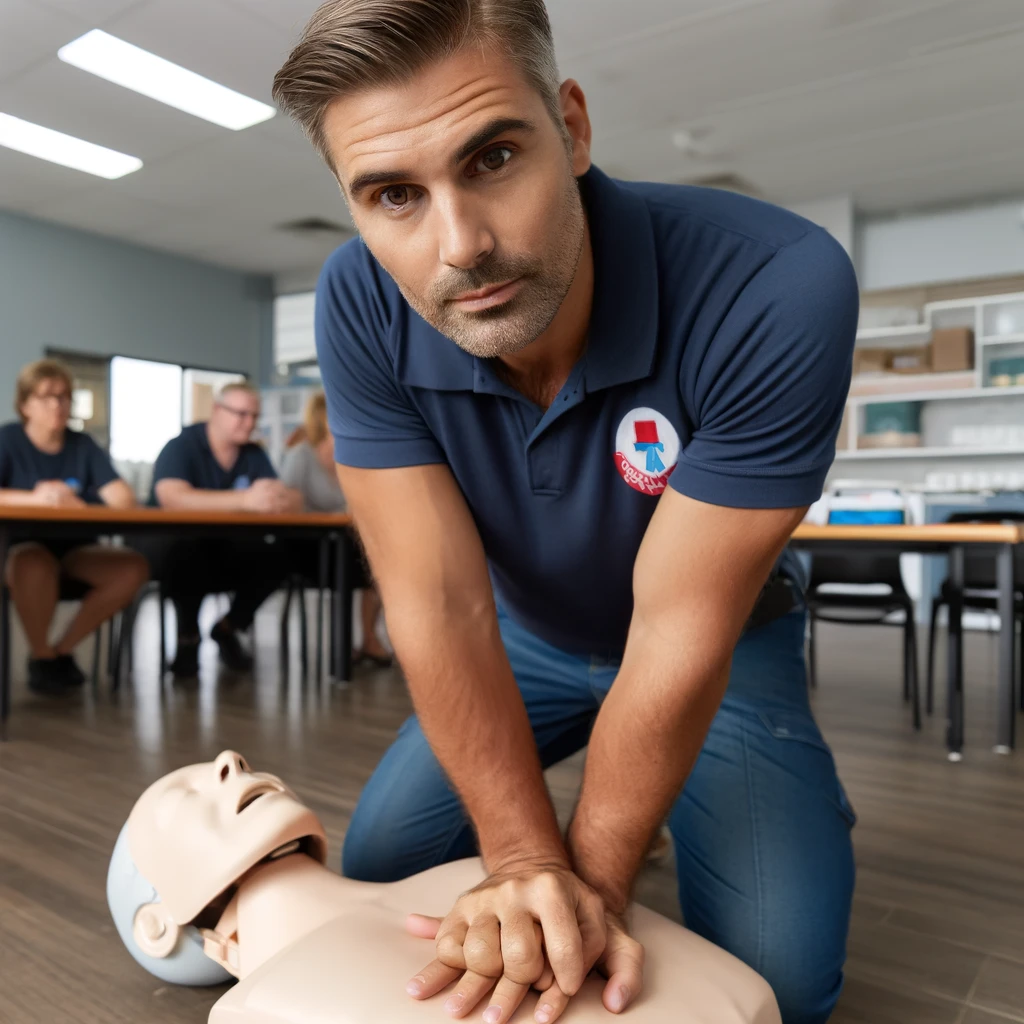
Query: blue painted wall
x=70, y=290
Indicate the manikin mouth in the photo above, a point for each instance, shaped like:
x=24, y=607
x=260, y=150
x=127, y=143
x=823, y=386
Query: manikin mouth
x=253, y=793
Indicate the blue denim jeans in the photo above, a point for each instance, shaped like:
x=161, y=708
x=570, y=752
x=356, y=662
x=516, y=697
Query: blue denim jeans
x=761, y=829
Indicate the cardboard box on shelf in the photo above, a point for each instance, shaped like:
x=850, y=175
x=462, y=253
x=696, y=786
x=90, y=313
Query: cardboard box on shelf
x=911, y=360
x=870, y=360
x=952, y=349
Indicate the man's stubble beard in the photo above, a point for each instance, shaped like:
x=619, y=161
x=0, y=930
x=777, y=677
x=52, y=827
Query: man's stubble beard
x=512, y=326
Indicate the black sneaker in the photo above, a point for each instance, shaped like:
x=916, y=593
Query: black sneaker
x=186, y=659
x=75, y=676
x=48, y=677
x=232, y=653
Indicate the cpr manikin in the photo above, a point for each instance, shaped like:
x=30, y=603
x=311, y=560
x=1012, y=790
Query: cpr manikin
x=220, y=872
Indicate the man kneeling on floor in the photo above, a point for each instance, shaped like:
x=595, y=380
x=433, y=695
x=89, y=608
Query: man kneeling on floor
x=215, y=465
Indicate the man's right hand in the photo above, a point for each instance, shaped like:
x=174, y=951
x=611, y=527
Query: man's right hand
x=510, y=928
x=56, y=494
x=267, y=496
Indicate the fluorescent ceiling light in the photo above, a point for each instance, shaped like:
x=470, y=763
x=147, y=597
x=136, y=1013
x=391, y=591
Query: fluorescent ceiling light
x=134, y=68
x=45, y=143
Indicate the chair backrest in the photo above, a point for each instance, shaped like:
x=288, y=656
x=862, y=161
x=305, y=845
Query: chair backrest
x=857, y=568
x=980, y=563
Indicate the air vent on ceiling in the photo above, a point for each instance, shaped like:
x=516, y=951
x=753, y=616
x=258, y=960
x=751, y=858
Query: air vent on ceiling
x=314, y=226
x=728, y=182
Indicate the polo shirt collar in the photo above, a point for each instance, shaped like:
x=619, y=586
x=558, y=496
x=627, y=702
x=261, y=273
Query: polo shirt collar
x=623, y=335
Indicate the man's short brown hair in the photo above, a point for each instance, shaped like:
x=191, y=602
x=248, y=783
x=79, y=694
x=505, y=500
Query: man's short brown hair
x=33, y=375
x=351, y=45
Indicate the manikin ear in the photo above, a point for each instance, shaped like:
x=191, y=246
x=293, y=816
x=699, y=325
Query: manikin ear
x=154, y=931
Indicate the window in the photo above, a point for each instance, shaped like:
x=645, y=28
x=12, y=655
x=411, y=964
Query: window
x=145, y=408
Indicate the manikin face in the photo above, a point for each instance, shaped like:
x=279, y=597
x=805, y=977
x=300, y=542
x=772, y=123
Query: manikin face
x=464, y=189
x=196, y=831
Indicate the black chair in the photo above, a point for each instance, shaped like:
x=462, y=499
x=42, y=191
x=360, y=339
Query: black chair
x=981, y=591
x=70, y=590
x=863, y=609
x=124, y=646
x=295, y=588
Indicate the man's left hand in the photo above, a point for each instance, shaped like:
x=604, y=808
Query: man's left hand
x=608, y=948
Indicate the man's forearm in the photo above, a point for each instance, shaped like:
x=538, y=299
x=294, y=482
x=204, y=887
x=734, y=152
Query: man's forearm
x=473, y=715
x=645, y=742
x=188, y=497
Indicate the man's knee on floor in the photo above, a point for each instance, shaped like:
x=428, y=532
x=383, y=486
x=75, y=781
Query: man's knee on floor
x=370, y=857
x=805, y=991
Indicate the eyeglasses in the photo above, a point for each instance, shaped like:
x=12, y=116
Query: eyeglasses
x=62, y=398
x=242, y=414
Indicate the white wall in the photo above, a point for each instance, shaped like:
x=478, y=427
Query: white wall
x=835, y=215
x=950, y=245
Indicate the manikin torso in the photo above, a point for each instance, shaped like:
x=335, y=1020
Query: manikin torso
x=311, y=947
x=316, y=948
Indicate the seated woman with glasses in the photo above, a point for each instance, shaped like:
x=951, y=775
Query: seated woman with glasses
x=308, y=466
x=43, y=462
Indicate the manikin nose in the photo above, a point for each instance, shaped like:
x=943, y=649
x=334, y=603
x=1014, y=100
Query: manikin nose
x=230, y=765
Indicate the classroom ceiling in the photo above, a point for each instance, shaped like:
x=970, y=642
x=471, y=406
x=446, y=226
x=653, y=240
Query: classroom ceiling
x=899, y=103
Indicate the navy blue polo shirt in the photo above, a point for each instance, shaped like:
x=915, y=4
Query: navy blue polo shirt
x=188, y=457
x=717, y=362
x=81, y=463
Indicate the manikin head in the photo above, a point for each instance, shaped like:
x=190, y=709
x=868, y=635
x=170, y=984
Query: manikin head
x=190, y=839
x=458, y=153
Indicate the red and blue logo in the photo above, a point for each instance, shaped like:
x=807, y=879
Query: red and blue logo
x=646, y=450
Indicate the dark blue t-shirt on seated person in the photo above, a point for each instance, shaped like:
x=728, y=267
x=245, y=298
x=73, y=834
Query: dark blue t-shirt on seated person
x=81, y=463
x=189, y=457
x=717, y=363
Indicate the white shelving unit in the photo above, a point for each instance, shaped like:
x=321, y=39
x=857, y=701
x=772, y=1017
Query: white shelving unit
x=998, y=325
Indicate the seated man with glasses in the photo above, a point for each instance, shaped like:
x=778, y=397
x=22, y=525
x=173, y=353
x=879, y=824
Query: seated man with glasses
x=44, y=463
x=215, y=466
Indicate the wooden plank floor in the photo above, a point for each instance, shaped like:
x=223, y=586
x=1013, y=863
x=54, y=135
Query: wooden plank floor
x=938, y=934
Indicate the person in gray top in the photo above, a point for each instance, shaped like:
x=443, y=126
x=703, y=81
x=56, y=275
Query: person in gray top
x=308, y=466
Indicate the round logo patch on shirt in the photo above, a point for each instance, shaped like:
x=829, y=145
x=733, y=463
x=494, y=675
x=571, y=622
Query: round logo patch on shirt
x=646, y=450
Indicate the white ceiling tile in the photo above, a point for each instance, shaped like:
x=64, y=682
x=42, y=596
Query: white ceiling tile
x=212, y=38
x=582, y=27
x=106, y=210
x=29, y=33
x=25, y=181
x=69, y=100
x=289, y=15
x=95, y=12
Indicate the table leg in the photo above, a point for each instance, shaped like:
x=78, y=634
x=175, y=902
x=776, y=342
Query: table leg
x=1007, y=635
x=5, y=640
x=955, y=668
x=343, y=607
x=322, y=583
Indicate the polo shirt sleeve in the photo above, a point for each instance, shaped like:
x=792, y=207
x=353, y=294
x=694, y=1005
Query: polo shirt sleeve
x=98, y=465
x=768, y=396
x=373, y=422
x=174, y=462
